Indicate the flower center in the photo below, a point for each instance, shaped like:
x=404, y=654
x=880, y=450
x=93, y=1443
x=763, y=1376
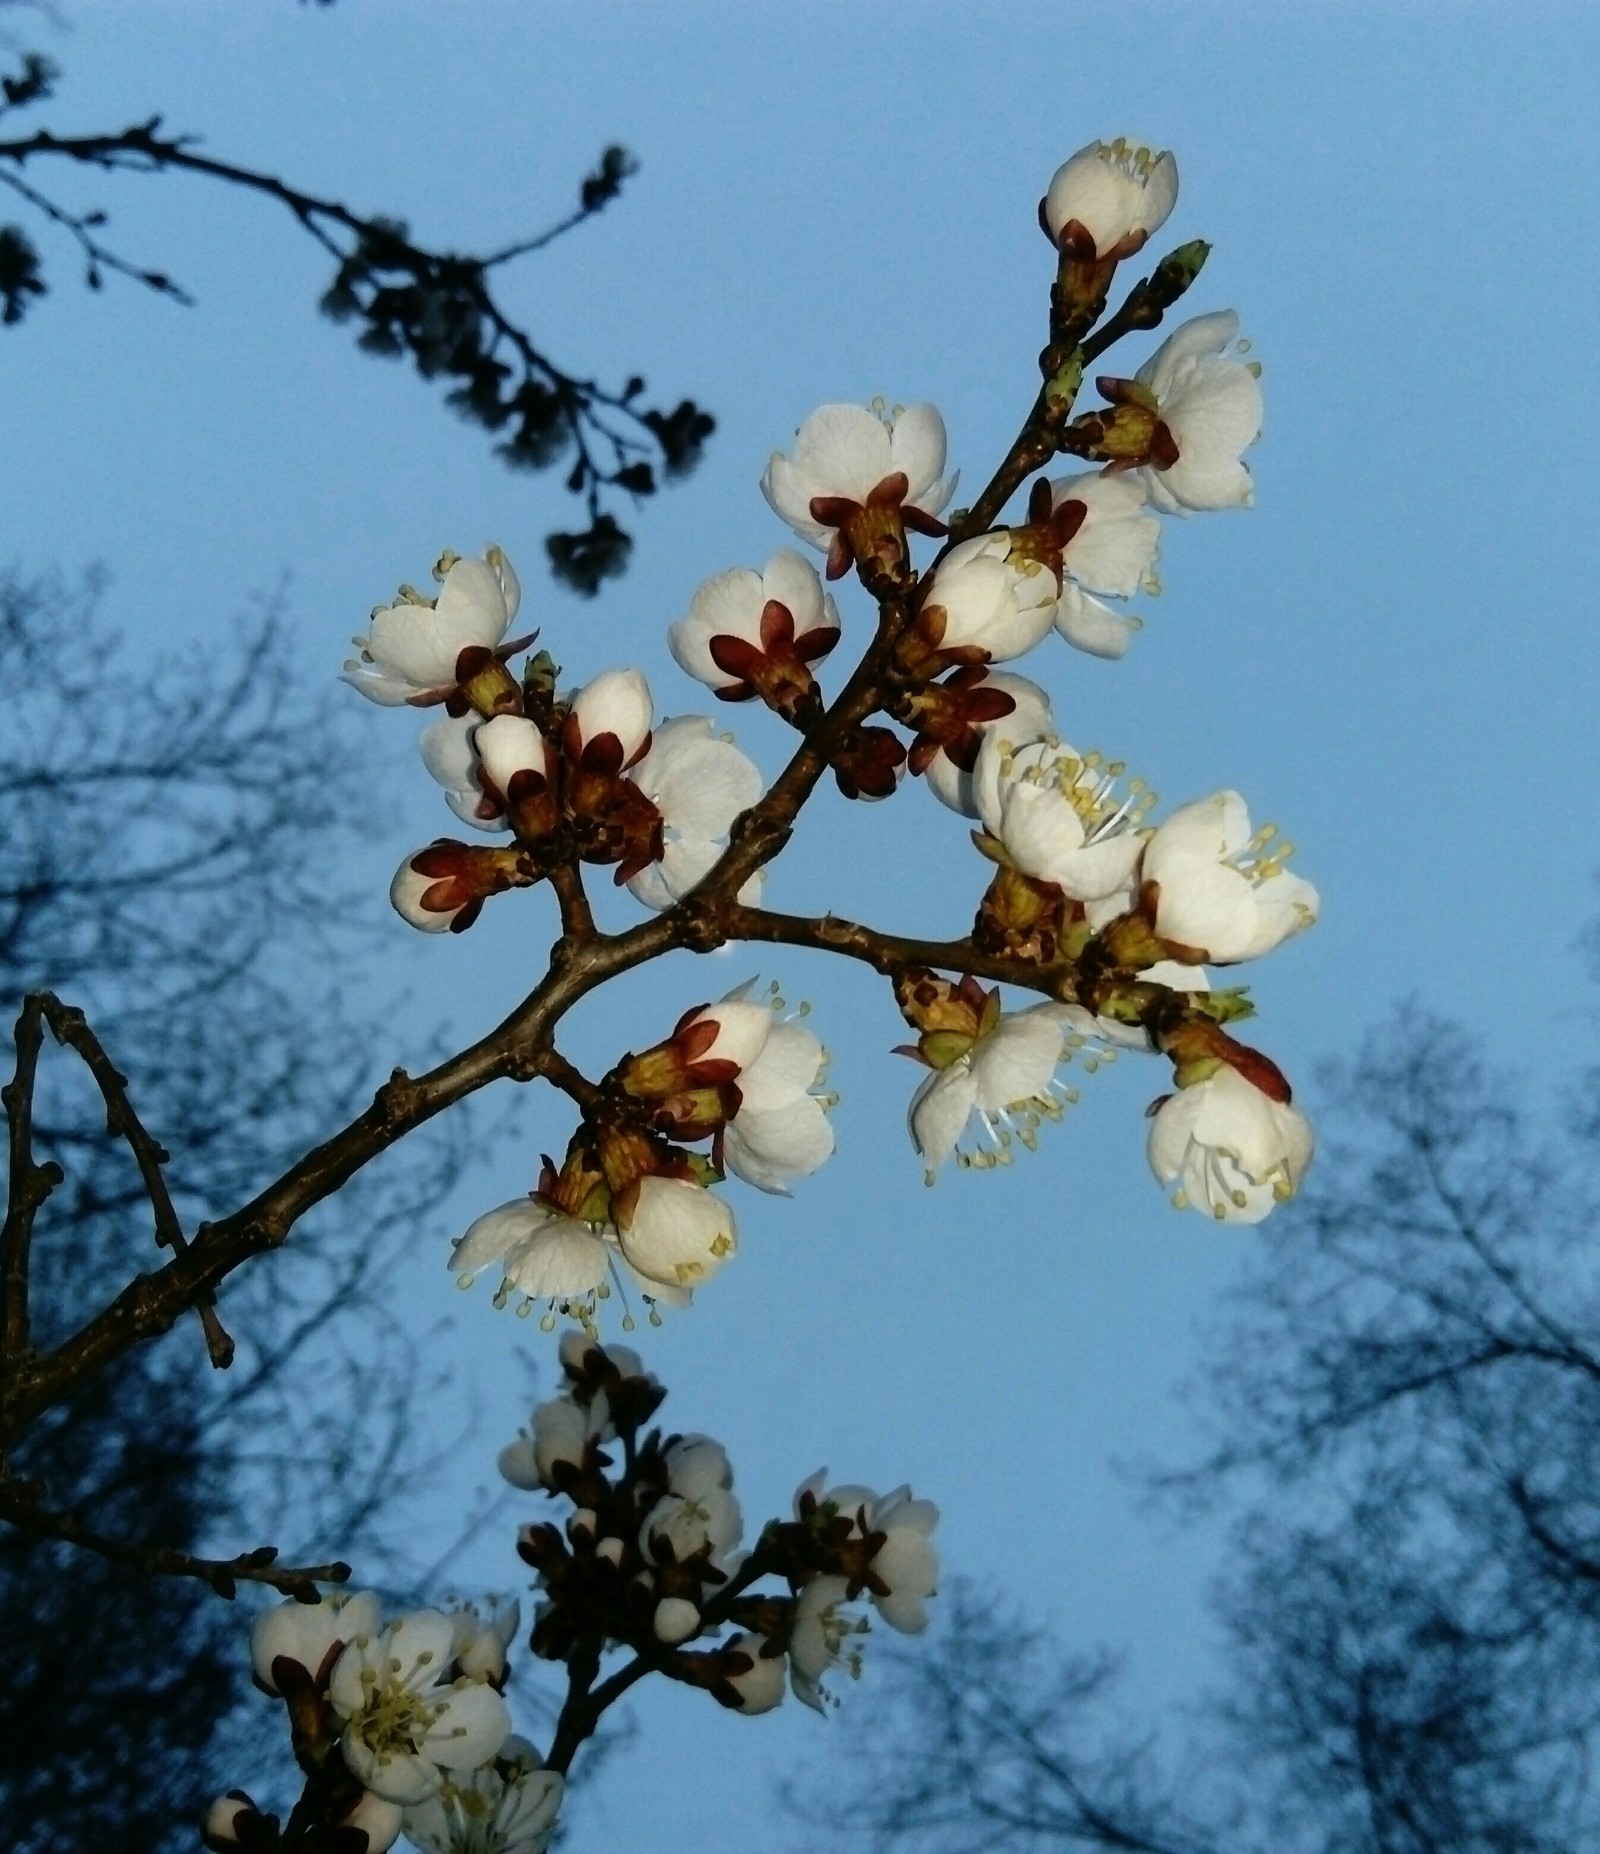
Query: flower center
x=1132, y=161
x=1264, y=856
x=396, y=1718
x=1090, y=783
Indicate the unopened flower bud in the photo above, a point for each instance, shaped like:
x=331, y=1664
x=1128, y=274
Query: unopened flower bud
x=309, y=1634
x=1106, y=200
x=229, y=1820
x=676, y=1619
x=754, y=1672
x=442, y=889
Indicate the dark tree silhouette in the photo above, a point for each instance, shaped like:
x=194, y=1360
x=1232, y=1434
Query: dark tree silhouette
x=442, y=310
x=172, y=848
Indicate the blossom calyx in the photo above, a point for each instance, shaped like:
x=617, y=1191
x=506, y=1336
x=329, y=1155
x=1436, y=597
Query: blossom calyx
x=951, y=718
x=954, y=1010
x=757, y=634
x=860, y=477
x=746, y=1674
x=442, y=889
x=869, y=763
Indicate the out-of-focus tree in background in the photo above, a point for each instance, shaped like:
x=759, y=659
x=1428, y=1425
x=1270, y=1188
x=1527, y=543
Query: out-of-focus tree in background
x=170, y=869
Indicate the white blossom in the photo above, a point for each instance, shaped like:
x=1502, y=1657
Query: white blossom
x=1118, y=193
x=305, y=1633
x=1004, y=1078
x=409, y=895
x=1113, y=553
x=1223, y=888
x=674, y=1232
x=781, y=1131
x=850, y=1500
x=615, y=705
x=481, y=1639
x=679, y=1525
x=742, y=625
x=843, y=453
x=410, y=652
x=379, y=1819
x=449, y=755
x=699, y=782
x=1059, y=815
x=1029, y=719
x=989, y=597
x=545, y=1253
x=823, y=1637
x=510, y=744
x=696, y=1465
x=573, y=1349
x=740, y=1030
x=1232, y=1151
x=905, y=1561
x=508, y=1806
x=221, y=1826
x=1211, y=405
x=759, y=1686
x=403, y=1721
x=558, y=1437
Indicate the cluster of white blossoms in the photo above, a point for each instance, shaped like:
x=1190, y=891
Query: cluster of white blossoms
x=1112, y=913
x=630, y=1205
x=401, y=1728
x=651, y=1556
x=588, y=776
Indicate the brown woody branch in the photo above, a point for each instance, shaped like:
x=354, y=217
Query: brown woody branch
x=21, y=1506
x=70, y=1028
x=29, y=1183
x=887, y=953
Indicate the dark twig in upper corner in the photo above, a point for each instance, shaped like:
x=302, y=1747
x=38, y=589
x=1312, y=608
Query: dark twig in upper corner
x=434, y=306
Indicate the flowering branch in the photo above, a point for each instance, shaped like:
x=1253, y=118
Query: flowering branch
x=1110, y=919
x=1106, y=919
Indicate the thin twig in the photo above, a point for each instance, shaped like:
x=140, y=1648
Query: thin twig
x=29, y=1184
x=22, y=1507
x=70, y=1027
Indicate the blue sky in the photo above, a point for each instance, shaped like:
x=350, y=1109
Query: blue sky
x=1393, y=655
